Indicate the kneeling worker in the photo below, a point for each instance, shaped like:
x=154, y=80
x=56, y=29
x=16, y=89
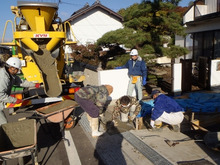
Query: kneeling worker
x=126, y=107
x=165, y=110
x=92, y=100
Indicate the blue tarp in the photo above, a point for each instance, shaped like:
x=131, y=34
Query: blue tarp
x=201, y=102
x=197, y=102
x=146, y=108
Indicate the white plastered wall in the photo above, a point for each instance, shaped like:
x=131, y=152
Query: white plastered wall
x=118, y=78
x=177, y=82
x=215, y=73
x=92, y=25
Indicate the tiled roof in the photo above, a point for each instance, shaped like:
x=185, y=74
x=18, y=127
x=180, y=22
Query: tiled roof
x=88, y=8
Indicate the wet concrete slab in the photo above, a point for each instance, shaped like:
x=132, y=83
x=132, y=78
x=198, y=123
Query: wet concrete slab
x=147, y=147
x=138, y=146
x=182, y=151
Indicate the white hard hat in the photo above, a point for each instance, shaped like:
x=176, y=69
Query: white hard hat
x=14, y=62
x=134, y=52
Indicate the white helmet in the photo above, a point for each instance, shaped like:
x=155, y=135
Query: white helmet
x=14, y=62
x=134, y=52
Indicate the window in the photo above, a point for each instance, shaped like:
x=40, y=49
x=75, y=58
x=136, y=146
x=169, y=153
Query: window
x=197, y=46
x=208, y=44
x=217, y=45
x=218, y=5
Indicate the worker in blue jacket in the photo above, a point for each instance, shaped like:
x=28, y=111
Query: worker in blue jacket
x=165, y=110
x=137, y=72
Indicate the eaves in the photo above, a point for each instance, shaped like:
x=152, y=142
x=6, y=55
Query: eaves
x=86, y=10
x=205, y=19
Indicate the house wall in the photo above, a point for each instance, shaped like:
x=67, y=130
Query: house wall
x=211, y=6
x=212, y=25
x=184, y=42
x=189, y=16
x=92, y=25
x=179, y=40
x=189, y=42
x=201, y=10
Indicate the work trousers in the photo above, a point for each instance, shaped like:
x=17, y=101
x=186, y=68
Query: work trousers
x=3, y=119
x=173, y=118
x=137, y=86
x=88, y=106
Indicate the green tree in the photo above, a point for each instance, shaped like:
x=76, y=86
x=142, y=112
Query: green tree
x=127, y=36
x=174, y=51
x=190, y=3
x=147, y=24
x=86, y=54
x=175, y=2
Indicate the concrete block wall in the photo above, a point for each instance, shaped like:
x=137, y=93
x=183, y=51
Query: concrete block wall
x=91, y=77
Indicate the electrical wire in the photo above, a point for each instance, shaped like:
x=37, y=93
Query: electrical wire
x=68, y=3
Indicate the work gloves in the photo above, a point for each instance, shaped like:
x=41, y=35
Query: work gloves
x=118, y=67
x=155, y=127
x=37, y=85
x=144, y=81
x=152, y=124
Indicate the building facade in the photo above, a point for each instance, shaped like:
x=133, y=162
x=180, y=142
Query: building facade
x=91, y=22
x=202, y=24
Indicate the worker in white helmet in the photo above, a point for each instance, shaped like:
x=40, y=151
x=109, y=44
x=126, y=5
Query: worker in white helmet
x=137, y=71
x=8, y=79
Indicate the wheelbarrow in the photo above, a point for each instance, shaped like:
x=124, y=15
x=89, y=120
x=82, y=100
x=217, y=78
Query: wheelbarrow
x=18, y=139
x=60, y=112
x=57, y=112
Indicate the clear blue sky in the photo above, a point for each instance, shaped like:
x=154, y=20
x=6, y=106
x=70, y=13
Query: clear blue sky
x=66, y=8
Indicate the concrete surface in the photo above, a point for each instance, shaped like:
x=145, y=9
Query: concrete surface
x=147, y=147
x=121, y=145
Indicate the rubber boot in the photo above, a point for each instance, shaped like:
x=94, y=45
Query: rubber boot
x=89, y=119
x=124, y=117
x=132, y=109
x=95, y=127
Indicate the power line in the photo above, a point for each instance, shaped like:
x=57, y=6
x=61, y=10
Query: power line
x=68, y=3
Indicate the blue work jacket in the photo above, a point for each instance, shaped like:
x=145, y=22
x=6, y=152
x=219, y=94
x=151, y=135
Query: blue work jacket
x=139, y=69
x=164, y=103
